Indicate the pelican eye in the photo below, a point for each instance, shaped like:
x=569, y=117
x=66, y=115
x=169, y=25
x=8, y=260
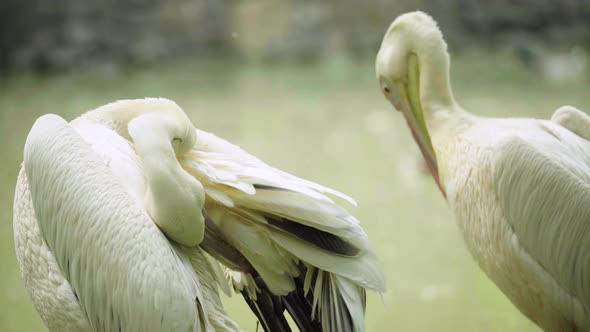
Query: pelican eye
x=386, y=89
x=176, y=143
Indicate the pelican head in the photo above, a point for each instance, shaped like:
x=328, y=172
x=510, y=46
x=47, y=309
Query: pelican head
x=161, y=134
x=166, y=116
x=412, y=67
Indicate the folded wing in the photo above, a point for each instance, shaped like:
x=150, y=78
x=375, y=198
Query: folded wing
x=96, y=232
x=285, y=242
x=543, y=186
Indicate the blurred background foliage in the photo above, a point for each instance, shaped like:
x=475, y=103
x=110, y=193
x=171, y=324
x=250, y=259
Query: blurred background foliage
x=45, y=36
x=293, y=83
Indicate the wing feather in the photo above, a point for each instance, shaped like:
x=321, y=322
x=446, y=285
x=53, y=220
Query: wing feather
x=309, y=255
x=361, y=269
x=280, y=196
x=543, y=186
x=212, y=150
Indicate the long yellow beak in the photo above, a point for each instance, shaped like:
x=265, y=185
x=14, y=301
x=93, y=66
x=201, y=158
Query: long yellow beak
x=405, y=97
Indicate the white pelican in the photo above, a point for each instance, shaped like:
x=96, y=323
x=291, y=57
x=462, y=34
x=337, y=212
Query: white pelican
x=519, y=188
x=114, y=210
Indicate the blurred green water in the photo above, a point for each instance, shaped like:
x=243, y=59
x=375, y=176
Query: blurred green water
x=327, y=123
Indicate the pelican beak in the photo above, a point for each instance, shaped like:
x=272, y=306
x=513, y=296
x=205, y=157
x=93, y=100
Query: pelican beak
x=404, y=95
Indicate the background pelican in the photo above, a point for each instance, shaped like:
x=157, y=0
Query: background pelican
x=519, y=188
x=109, y=208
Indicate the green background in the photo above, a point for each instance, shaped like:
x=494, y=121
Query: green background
x=328, y=123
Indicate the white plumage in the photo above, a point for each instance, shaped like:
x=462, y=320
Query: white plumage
x=108, y=209
x=519, y=188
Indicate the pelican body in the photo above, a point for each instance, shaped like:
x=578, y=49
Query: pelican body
x=519, y=188
x=130, y=219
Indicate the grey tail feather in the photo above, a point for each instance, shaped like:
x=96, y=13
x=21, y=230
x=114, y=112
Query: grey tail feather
x=270, y=309
x=300, y=307
x=335, y=313
x=337, y=318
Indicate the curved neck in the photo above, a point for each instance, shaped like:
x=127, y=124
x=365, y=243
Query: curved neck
x=161, y=132
x=434, y=66
x=174, y=199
